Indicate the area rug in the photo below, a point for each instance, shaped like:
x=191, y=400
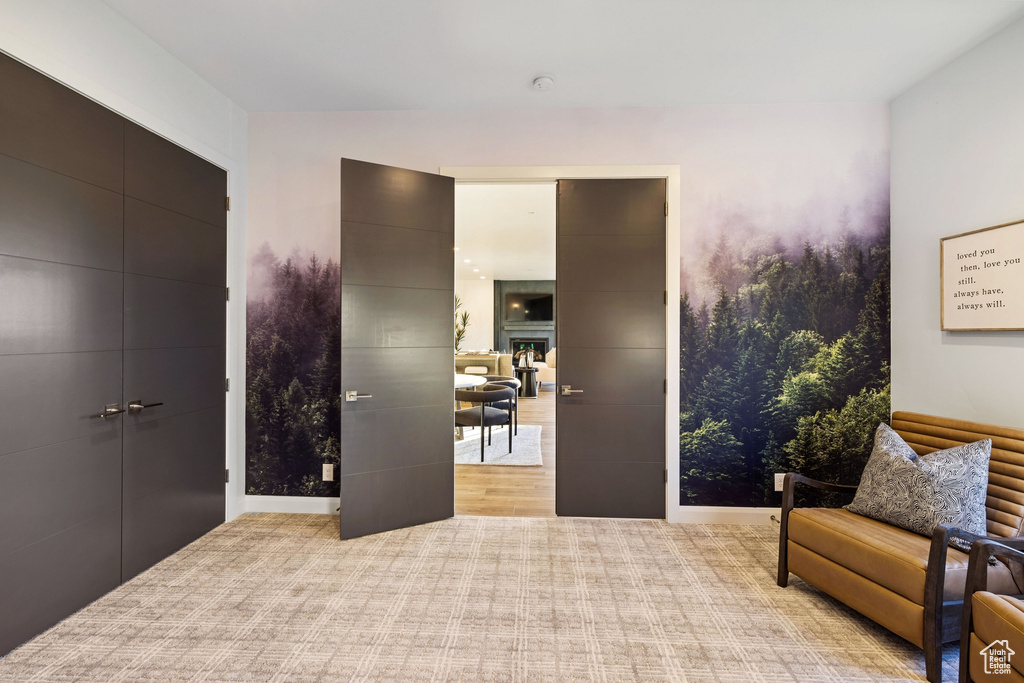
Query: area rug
x=525, y=447
x=278, y=598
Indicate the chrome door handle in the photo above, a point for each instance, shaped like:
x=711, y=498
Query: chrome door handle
x=569, y=391
x=110, y=410
x=355, y=396
x=137, y=406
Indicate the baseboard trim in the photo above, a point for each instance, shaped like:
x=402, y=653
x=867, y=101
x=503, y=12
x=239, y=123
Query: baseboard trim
x=295, y=504
x=707, y=514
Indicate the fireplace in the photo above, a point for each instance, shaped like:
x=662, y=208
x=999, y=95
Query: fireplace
x=538, y=345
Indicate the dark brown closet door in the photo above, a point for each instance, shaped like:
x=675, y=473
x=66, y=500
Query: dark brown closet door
x=397, y=308
x=174, y=344
x=610, y=438
x=60, y=352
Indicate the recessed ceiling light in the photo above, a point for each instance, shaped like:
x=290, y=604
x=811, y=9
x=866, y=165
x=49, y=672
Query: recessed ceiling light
x=456, y=248
x=476, y=270
x=483, y=277
x=466, y=261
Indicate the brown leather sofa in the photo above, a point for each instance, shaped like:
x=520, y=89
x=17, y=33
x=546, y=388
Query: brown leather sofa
x=910, y=584
x=992, y=632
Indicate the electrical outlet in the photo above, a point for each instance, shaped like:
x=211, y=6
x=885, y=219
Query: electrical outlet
x=328, y=472
x=780, y=479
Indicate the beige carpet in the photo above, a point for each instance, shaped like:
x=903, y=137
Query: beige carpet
x=278, y=598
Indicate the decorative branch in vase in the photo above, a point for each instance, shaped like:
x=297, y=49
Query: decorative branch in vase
x=461, y=323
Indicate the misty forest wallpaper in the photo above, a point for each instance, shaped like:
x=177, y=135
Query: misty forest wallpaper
x=784, y=338
x=292, y=401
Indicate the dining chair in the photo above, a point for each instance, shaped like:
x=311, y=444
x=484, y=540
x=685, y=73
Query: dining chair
x=485, y=415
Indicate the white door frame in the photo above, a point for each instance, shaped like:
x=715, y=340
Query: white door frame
x=674, y=512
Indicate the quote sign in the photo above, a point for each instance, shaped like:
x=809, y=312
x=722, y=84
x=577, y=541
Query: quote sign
x=982, y=274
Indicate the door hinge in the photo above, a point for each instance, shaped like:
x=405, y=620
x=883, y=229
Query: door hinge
x=666, y=476
x=227, y=476
x=227, y=294
x=227, y=384
x=227, y=204
x=666, y=208
x=666, y=386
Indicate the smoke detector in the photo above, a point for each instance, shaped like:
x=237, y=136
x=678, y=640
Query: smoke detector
x=543, y=82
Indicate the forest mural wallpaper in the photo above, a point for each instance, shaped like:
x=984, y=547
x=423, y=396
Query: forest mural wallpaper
x=292, y=401
x=784, y=334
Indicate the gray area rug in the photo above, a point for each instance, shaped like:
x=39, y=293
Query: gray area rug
x=525, y=447
x=277, y=597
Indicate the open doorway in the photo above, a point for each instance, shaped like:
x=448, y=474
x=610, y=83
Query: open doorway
x=505, y=284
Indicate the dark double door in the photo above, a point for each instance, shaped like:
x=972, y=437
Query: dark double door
x=112, y=273
x=397, y=294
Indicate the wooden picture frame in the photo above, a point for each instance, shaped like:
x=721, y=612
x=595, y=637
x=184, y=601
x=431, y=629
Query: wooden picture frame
x=981, y=276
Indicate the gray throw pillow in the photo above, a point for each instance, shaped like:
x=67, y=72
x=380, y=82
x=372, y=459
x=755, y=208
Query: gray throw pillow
x=918, y=493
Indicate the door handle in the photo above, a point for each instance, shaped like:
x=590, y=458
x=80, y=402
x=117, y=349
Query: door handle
x=355, y=395
x=110, y=410
x=569, y=391
x=137, y=406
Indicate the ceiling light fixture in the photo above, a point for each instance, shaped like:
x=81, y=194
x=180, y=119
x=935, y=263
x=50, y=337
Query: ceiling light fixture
x=483, y=277
x=476, y=270
x=466, y=261
x=543, y=82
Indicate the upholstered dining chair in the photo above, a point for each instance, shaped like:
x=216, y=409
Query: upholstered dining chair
x=513, y=383
x=485, y=415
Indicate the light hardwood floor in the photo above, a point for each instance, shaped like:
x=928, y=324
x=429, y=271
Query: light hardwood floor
x=504, y=491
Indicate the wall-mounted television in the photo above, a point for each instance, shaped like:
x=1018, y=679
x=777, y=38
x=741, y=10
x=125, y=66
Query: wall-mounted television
x=527, y=307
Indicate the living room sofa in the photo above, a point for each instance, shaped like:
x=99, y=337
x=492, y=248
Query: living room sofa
x=911, y=584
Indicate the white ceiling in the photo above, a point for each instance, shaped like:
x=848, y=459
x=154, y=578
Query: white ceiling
x=332, y=55
x=506, y=231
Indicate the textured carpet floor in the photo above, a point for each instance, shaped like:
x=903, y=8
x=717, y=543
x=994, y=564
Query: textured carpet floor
x=525, y=447
x=278, y=598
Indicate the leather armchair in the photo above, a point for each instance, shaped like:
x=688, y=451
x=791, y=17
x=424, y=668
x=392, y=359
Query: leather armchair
x=992, y=631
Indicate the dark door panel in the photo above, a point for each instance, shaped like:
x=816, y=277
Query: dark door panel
x=418, y=436
x=58, y=397
x=612, y=319
x=383, y=500
x=54, y=308
x=385, y=195
x=46, y=581
x=397, y=277
x=373, y=253
x=166, y=244
x=173, y=485
x=610, y=261
x=169, y=451
x=382, y=317
x=611, y=207
x=162, y=313
x=398, y=378
x=82, y=478
x=612, y=376
x=52, y=217
x=159, y=172
x=627, y=263
x=611, y=489
x=49, y=125
x=608, y=433
x=184, y=380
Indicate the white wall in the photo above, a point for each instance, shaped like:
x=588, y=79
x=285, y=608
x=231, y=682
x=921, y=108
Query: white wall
x=478, y=298
x=769, y=161
x=957, y=150
x=88, y=47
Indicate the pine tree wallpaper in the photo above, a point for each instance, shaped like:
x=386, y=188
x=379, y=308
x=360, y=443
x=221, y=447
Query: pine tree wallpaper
x=784, y=340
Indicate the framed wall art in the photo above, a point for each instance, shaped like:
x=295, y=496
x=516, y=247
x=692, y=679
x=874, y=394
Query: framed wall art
x=982, y=279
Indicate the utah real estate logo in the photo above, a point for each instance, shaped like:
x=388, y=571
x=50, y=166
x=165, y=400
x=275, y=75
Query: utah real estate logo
x=997, y=657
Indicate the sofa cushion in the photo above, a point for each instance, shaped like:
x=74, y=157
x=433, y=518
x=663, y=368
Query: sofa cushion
x=918, y=493
x=891, y=557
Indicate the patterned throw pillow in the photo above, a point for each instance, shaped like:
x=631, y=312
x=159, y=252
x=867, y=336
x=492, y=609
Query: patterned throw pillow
x=918, y=493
